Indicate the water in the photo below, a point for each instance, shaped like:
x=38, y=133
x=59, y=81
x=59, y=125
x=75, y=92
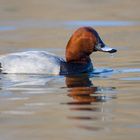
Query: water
x=102, y=105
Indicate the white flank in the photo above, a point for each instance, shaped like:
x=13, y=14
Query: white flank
x=37, y=62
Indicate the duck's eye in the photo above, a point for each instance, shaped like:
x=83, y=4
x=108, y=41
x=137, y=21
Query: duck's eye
x=102, y=45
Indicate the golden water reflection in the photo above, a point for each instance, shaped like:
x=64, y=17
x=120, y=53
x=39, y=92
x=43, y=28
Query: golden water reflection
x=83, y=91
x=88, y=103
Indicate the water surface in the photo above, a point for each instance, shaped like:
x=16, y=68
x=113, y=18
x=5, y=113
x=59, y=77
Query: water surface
x=102, y=105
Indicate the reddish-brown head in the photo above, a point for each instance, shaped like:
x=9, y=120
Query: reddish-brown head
x=83, y=42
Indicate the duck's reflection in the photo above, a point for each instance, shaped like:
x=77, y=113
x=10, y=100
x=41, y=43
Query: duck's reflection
x=83, y=91
x=87, y=98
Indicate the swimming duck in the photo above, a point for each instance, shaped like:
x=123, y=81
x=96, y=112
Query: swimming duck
x=82, y=43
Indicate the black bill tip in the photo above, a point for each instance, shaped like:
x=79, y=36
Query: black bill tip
x=112, y=51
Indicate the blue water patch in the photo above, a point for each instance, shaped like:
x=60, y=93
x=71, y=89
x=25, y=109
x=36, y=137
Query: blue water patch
x=7, y=28
x=101, y=72
x=28, y=23
x=107, y=72
x=101, y=23
x=131, y=79
x=128, y=70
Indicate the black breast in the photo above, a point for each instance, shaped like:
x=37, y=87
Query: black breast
x=75, y=68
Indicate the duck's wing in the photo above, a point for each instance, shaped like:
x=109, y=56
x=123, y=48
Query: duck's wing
x=40, y=62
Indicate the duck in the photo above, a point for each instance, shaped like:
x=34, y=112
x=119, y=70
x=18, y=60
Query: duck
x=83, y=42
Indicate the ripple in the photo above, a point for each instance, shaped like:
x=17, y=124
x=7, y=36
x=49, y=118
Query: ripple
x=90, y=128
x=131, y=79
x=101, y=23
x=95, y=109
x=82, y=118
x=35, y=104
x=17, y=98
x=7, y=28
x=129, y=70
x=14, y=112
x=12, y=25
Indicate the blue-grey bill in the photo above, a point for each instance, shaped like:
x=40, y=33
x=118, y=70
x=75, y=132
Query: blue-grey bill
x=107, y=49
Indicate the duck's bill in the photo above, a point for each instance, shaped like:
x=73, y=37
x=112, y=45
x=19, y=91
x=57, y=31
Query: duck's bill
x=106, y=49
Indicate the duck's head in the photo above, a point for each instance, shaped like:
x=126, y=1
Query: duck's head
x=82, y=43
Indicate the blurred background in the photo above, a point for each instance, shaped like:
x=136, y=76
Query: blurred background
x=40, y=107
x=49, y=23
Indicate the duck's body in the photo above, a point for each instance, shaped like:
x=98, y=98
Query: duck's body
x=40, y=62
x=82, y=43
x=31, y=62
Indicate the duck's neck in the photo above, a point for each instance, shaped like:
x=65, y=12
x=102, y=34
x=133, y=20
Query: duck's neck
x=76, y=55
x=78, y=50
x=82, y=60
